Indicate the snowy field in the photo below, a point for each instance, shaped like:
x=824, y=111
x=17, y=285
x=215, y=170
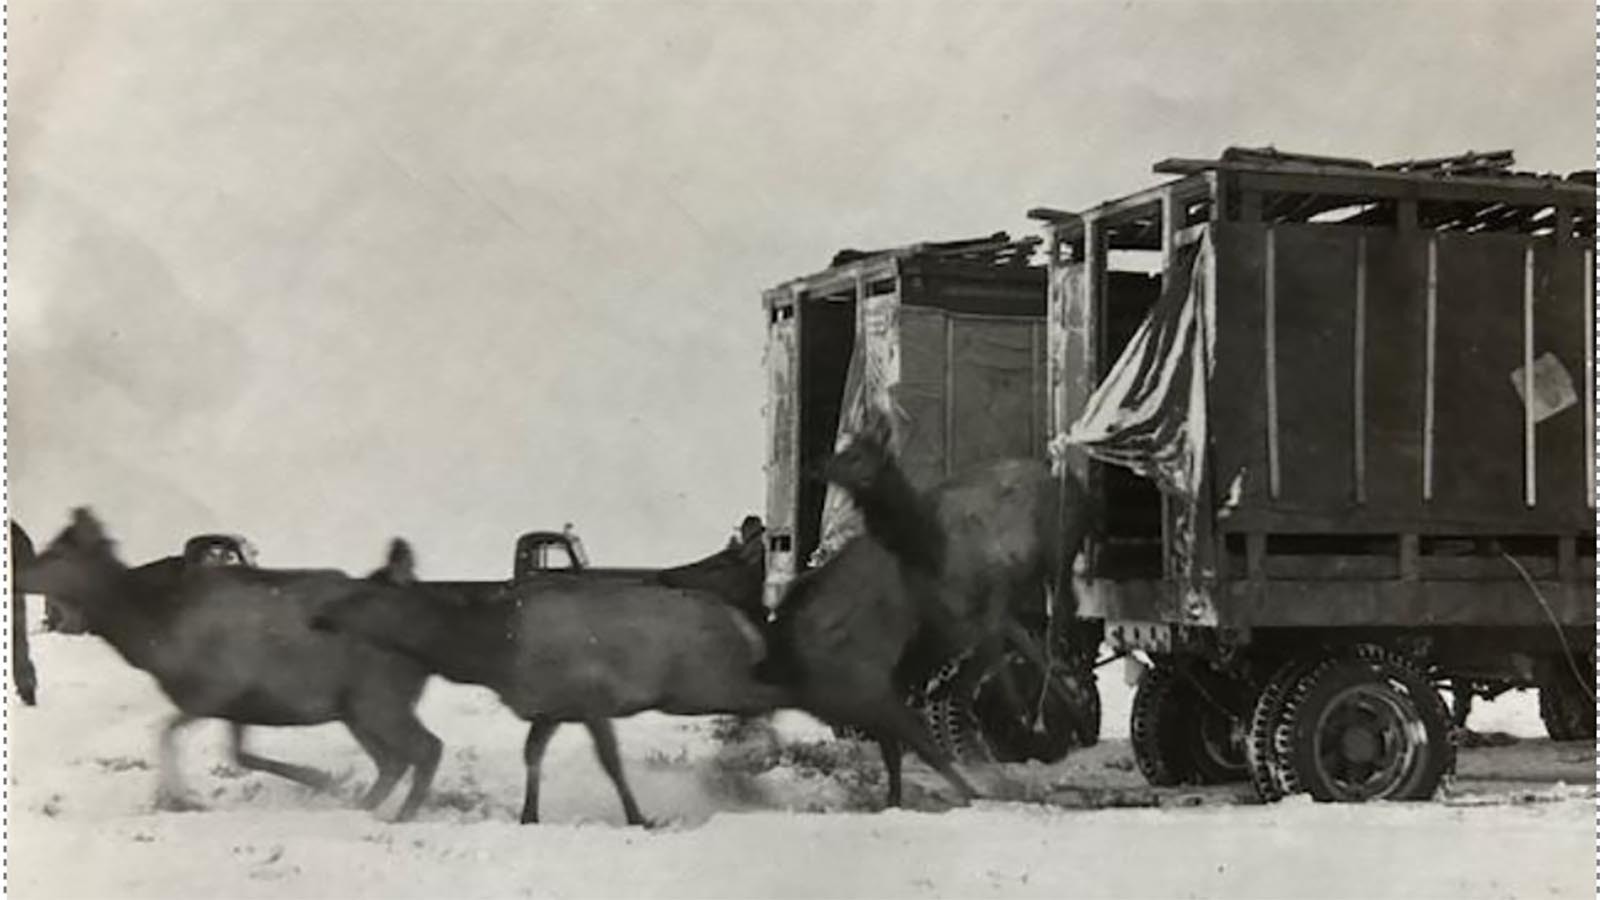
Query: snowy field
x=751, y=820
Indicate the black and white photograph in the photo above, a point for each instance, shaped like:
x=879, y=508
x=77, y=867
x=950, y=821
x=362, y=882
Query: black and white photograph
x=800, y=449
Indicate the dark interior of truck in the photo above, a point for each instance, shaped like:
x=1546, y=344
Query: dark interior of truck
x=827, y=340
x=1131, y=546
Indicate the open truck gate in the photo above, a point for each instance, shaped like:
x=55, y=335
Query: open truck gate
x=1342, y=427
x=951, y=338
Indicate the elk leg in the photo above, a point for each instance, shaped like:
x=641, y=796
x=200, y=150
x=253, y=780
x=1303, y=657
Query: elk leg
x=1031, y=649
x=605, y=747
x=22, y=672
x=390, y=766
x=540, y=731
x=424, y=750
x=905, y=726
x=315, y=779
x=170, y=795
x=893, y=755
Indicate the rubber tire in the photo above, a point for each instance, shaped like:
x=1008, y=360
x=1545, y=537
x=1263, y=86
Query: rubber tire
x=1295, y=739
x=1566, y=708
x=1234, y=696
x=963, y=733
x=1265, y=763
x=1155, y=728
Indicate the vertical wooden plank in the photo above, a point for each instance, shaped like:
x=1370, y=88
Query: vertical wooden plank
x=1249, y=206
x=1169, y=254
x=949, y=395
x=1255, y=555
x=1406, y=215
x=1429, y=366
x=1409, y=551
x=1169, y=229
x=1530, y=458
x=1089, y=324
x=1360, y=380
x=1035, y=390
x=1588, y=372
x=1274, y=465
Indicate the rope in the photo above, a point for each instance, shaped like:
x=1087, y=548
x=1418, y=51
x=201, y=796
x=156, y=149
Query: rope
x=1583, y=682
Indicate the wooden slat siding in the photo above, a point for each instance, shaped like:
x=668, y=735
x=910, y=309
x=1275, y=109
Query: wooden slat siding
x=1270, y=357
x=1559, y=329
x=921, y=393
x=1393, y=397
x=1238, y=403
x=1313, y=366
x=1567, y=558
x=949, y=395
x=1430, y=331
x=1478, y=421
x=1358, y=379
x=1530, y=453
x=1589, y=338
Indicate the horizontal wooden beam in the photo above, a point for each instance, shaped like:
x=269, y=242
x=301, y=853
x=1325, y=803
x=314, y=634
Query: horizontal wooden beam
x=1070, y=225
x=1378, y=184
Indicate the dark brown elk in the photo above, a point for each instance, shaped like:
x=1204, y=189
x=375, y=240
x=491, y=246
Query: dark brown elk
x=850, y=639
x=996, y=541
x=235, y=643
x=564, y=647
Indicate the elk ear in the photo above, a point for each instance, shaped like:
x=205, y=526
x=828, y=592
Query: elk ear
x=877, y=427
x=401, y=566
x=86, y=530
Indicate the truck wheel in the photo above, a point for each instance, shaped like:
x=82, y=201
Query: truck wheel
x=1187, y=727
x=1265, y=763
x=1567, y=705
x=971, y=719
x=1365, y=725
x=1155, y=728
x=1219, y=714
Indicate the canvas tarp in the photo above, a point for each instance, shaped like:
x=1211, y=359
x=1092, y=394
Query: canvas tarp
x=1149, y=412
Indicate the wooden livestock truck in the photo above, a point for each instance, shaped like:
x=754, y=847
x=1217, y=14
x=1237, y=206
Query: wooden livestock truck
x=1341, y=418
x=951, y=336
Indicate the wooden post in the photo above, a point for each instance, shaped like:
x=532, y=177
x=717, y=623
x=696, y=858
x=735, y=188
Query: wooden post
x=1360, y=386
x=949, y=394
x=1530, y=457
x=1428, y=364
x=1588, y=371
x=1169, y=257
x=1274, y=467
x=1409, y=551
x=1255, y=555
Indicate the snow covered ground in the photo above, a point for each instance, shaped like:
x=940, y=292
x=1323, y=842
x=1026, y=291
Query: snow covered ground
x=747, y=821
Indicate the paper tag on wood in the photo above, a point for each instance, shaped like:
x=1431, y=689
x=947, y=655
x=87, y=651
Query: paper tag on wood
x=1553, y=390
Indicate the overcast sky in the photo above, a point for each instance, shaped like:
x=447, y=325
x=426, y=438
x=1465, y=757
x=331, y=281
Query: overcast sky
x=324, y=272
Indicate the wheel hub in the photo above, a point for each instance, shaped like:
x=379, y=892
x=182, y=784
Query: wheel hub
x=1361, y=738
x=1359, y=744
